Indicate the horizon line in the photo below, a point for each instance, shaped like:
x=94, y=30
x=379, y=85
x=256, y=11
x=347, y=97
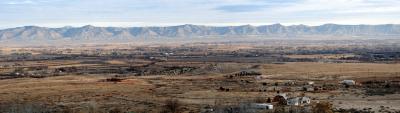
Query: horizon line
x=207, y=25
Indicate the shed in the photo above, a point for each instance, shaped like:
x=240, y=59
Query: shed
x=305, y=100
x=308, y=88
x=290, y=82
x=310, y=83
x=262, y=106
x=293, y=101
x=348, y=82
x=296, y=101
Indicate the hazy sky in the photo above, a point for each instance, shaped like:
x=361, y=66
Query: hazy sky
x=57, y=13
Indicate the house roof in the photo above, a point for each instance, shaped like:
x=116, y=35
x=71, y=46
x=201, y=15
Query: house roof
x=293, y=101
x=297, y=100
x=304, y=98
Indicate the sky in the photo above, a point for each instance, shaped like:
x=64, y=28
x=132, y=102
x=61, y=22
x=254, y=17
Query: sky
x=128, y=13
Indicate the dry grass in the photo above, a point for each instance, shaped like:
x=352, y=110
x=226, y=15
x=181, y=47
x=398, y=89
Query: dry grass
x=330, y=70
x=117, y=62
x=147, y=92
x=74, y=90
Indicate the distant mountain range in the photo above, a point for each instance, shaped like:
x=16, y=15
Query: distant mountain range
x=186, y=31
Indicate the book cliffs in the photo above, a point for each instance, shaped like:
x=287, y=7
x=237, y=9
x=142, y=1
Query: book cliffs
x=189, y=31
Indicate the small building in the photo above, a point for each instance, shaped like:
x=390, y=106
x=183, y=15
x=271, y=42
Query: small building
x=290, y=83
x=348, y=82
x=296, y=101
x=207, y=109
x=308, y=88
x=265, y=106
x=293, y=101
x=258, y=77
x=305, y=100
x=310, y=83
x=318, y=88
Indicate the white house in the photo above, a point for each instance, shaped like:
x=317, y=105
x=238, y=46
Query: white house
x=296, y=101
x=308, y=88
x=293, y=101
x=348, y=82
x=305, y=100
x=310, y=83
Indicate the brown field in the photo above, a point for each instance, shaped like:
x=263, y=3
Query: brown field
x=323, y=56
x=330, y=71
x=148, y=93
x=144, y=79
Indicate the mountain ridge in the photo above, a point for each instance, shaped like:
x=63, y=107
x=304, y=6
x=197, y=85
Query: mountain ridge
x=90, y=32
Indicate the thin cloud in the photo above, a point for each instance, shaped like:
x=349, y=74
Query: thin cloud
x=27, y=2
x=240, y=8
x=20, y=2
x=153, y=12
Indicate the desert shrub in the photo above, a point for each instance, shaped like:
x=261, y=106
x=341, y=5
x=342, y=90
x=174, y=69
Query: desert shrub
x=264, y=84
x=113, y=79
x=354, y=111
x=280, y=100
x=247, y=73
x=294, y=109
x=115, y=110
x=269, y=100
x=322, y=107
x=279, y=109
x=380, y=91
x=222, y=88
x=171, y=106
